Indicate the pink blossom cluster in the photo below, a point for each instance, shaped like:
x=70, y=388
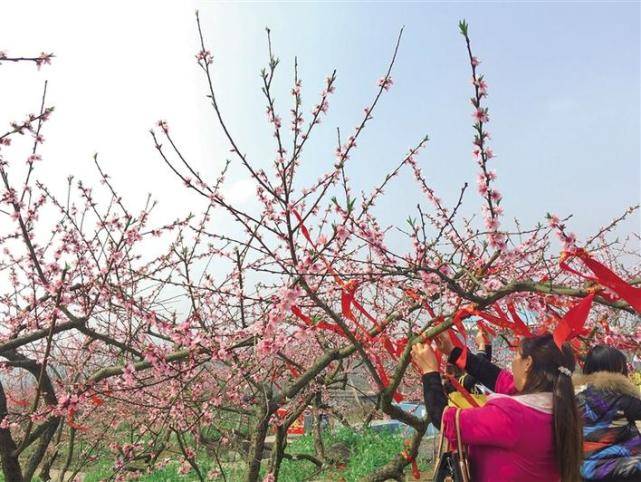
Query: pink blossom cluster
x=568, y=239
x=163, y=125
x=372, y=234
x=323, y=104
x=204, y=57
x=492, y=211
x=43, y=59
x=385, y=82
x=297, y=117
x=273, y=118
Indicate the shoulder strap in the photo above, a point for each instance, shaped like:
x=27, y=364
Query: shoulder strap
x=459, y=443
x=463, y=463
x=441, y=437
x=441, y=445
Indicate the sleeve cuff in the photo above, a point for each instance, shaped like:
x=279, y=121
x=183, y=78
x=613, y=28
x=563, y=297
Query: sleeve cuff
x=456, y=352
x=432, y=379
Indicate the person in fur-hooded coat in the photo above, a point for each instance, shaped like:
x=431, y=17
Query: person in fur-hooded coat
x=610, y=405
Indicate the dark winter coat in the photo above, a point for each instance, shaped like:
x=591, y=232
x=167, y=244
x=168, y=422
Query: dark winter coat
x=610, y=405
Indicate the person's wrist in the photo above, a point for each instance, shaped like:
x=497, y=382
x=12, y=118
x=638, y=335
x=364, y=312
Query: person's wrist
x=427, y=370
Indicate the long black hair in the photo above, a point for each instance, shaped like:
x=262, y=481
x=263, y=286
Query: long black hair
x=603, y=358
x=551, y=372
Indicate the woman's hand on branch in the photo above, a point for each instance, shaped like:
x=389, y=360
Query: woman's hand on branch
x=444, y=344
x=425, y=358
x=482, y=339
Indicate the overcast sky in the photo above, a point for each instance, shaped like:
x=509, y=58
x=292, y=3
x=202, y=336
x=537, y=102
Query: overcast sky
x=563, y=79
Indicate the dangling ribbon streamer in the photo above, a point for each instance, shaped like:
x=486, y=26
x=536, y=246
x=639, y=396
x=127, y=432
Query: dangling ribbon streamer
x=412, y=294
x=415, y=472
x=461, y=389
x=303, y=228
x=461, y=315
x=462, y=359
x=347, y=297
x=517, y=326
x=292, y=369
x=604, y=276
x=398, y=397
x=321, y=325
x=347, y=300
x=457, y=320
x=71, y=422
x=520, y=326
x=572, y=323
x=486, y=329
x=348, y=289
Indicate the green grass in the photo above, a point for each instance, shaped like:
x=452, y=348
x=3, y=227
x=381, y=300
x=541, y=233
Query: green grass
x=167, y=474
x=368, y=451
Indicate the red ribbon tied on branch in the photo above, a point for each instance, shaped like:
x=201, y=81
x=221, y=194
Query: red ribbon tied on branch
x=347, y=301
x=573, y=321
x=380, y=368
x=502, y=320
x=463, y=391
x=604, y=276
x=461, y=361
x=406, y=455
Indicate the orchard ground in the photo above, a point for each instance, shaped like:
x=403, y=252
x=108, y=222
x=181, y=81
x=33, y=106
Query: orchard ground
x=368, y=450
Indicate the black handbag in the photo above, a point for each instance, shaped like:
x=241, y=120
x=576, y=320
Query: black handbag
x=452, y=465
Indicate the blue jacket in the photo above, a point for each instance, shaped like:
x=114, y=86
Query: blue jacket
x=610, y=405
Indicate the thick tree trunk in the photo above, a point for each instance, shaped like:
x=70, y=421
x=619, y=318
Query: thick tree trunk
x=45, y=468
x=48, y=461
x=10, y=463
x=44, y=433
x=395, y=468
x=258, y=446
x=278, y=451
x=49, y=431
x=319, y=446
x=391, y=470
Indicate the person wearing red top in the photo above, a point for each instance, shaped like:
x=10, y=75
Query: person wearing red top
x=530, y=429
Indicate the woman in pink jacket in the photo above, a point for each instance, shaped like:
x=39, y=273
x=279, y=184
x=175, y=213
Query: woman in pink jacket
x=530, y=429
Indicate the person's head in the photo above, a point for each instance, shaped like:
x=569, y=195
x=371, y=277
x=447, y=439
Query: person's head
x=539, y=366
x=603, y=358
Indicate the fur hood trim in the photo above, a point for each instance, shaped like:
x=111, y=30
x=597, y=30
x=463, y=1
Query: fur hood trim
x=613, y=382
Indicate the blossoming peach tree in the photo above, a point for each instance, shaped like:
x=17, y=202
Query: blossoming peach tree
x=108, y=348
